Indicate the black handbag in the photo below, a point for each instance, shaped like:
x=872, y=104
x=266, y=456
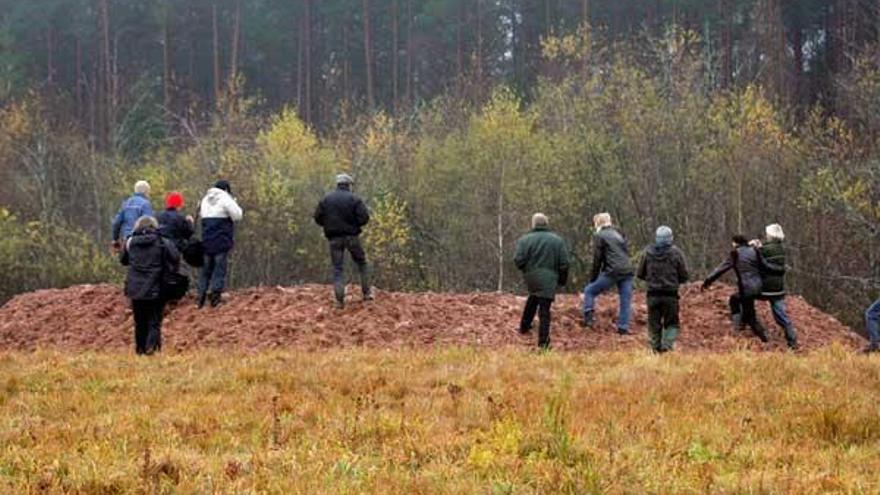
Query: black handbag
x=174, y=286
x=194, y=253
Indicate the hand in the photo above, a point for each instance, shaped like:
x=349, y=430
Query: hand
x=115, y=247
x=190, y=219
x=755, y=243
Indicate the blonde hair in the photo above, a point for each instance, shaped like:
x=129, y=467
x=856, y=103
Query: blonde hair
x=774, y=231
x=601, y=220
x=142, y=187
x=145, y=222
x=540, y=220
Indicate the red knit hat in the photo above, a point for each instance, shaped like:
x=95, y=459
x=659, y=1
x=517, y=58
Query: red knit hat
x=174, y=200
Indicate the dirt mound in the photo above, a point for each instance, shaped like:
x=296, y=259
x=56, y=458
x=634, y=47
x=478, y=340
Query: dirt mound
x=98, y=317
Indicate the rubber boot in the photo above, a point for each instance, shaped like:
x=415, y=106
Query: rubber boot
x=339, y=292
x=588, y=321
x=200, y=302
x=365, y=283
x=216, y=299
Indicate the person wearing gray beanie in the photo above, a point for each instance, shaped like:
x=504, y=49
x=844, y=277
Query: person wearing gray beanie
x=664, y=268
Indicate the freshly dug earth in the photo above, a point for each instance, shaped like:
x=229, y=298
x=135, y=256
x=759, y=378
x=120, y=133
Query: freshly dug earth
x=98, y=317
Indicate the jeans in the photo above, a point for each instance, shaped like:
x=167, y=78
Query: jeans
x=662, y=322
x=777, y=307
x=603, y=284
x=147, y=325
x=872, y=319
x=338, y=247
x=213, y=274
x=540, y=305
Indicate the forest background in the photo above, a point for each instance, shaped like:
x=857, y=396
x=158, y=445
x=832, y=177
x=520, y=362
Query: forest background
x=458, y=118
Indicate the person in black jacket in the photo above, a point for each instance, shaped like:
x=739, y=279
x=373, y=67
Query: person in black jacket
x=179, y=230
x=149, y=258
x=747, y=263
x=664, y=268
x=343, y=215
x=611, y=267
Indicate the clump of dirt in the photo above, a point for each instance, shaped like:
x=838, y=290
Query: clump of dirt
x=98, y=317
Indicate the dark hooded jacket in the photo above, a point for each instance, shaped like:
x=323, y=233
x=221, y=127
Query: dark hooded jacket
x=150, y=259
x=542, y=256
x=611, y=255
x=175, y=227
x=663, y=267
x=341, y=213
x=747, y=263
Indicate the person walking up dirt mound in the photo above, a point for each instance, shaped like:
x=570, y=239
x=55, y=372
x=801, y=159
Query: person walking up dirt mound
x=664, y=268
x=611, y=267
x=773, y=279
x=219, y=212
x=179, y=230
x=342, y=215
x=133, y=208
x=150, y=258
x=543, y=258
x=746, y=262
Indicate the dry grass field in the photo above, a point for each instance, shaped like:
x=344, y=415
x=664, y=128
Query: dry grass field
x=453, y=420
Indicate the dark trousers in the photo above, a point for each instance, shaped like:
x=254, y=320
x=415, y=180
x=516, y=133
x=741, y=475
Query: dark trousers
x=147, y=325
x=540, y=305
x=743, y=309
x=213, y=274
x=338, y=247
x=663, y=325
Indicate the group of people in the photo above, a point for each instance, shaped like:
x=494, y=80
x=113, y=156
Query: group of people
x=162, y=251
x=759, y=266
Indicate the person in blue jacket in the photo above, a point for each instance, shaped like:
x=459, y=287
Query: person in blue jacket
x=136, y=206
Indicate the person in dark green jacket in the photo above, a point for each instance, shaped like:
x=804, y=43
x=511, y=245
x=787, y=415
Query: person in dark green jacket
x=773, y=279
x=542, y=256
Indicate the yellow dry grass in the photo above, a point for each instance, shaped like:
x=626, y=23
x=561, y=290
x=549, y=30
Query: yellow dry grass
x=439, y=421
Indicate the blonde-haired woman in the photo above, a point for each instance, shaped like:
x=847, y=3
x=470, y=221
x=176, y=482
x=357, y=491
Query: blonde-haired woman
x=611, y=268
x=149, y=258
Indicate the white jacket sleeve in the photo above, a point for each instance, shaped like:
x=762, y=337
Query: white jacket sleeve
x=232, y=209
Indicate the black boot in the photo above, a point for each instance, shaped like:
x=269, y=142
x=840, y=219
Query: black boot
x=588, y=322
x=216, y=299
x=200, y=302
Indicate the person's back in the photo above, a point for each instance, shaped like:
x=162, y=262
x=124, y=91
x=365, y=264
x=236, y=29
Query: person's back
x=748, y=270
x=773, y=280
x=612, y=254
x=145, y=257
x=134, y=207
x=219, y=212
x=175, y=227
x=663, y=270
x=542, y=257
x=341, y=213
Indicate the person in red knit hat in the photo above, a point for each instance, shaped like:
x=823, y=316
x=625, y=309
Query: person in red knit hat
x=178, y=229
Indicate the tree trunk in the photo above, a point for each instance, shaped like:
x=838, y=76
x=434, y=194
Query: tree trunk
x=479, y=57
x=299, y=66
x=395, y=58
x=368, y=56
x=215, y=41
x=166, y=65
x=459, y=46
x=585, y=12
x=236, y=42
x=500, y=230
x=108, y=117
x=50, y=57
x=78, y=80
x=409, y=53
x=308, y=59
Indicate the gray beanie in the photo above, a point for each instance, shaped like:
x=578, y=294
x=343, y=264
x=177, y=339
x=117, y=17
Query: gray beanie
x=664, y=235
x=344, y=179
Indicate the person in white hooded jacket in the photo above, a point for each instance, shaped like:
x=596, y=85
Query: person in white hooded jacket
x=219, y=212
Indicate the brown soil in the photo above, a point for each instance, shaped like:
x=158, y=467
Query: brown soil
x=98, y=317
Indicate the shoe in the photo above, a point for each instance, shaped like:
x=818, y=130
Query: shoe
x=794, y=346
x=524, y=331
x=588, y=322
x=368, y=296
x=622, y=331
x=339, y=304
x=871, y=349
x=200, y=302
x=216, y=299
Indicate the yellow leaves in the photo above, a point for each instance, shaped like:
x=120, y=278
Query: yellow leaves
x=567, y=48
x=389, y=234
x=498, y=447
x=287, y=138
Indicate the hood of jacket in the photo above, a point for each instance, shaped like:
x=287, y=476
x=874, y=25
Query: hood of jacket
x=214, y=196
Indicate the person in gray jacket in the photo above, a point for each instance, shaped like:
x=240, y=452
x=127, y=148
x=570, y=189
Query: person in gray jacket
x=611, y=268
x=746, y=262
x=663, y=267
